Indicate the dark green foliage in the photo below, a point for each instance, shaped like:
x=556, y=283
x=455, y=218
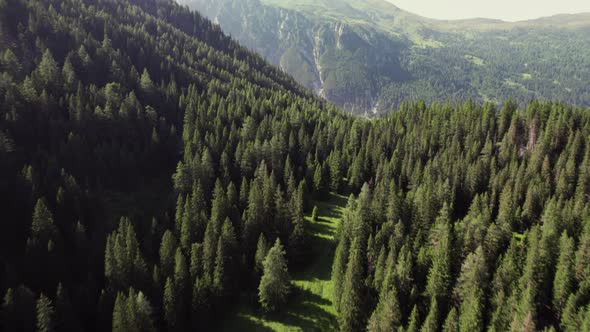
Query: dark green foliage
x=451, y=323
x=387, y=315
x=261, y=252
x=563, y=284
x=431, y=322
x=460, y=206
x=124, y=262
x=361, y=56
x=414, y=321
x=352, y=312
x=482, y=247
x=275, y=282
x=45, y=314
x=132, y=312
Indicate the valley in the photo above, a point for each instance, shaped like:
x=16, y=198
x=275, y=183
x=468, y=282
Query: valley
x=369, y=56
x=367, y=170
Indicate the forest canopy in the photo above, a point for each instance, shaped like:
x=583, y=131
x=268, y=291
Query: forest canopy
x=153, y=172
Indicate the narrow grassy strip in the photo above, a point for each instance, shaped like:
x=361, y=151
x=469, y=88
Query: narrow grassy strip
x=310, y=308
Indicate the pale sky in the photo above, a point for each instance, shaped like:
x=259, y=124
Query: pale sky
x=508, y=10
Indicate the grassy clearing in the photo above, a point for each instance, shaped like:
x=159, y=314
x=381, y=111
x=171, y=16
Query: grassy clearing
x=310, y=307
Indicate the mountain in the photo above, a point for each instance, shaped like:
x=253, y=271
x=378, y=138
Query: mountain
x=157, y=176
x=113, y=114
x=368, y=56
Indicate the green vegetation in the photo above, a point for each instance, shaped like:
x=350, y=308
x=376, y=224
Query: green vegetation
x=370, y=56
x=137, y=135
x=310, y=306
x=275, y=282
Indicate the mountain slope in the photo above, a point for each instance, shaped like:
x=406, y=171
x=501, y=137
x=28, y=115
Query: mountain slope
x=113, y=114
x=368, y=56
x=148, y=163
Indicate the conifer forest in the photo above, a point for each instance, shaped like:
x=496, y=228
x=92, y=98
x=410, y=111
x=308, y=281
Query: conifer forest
x=156, y=175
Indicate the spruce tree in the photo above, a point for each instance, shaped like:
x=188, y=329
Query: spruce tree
x=414, y=320
x=563, y=282
x=171, y=305
x=45, y=314
x=338, y=270
x=167, y=253
x=42, y=226
x=452, y=321
x=387, y=316
x=352, y=315
x=275, y=282
x=261, y=252
x=119, y=323
x=431, y=322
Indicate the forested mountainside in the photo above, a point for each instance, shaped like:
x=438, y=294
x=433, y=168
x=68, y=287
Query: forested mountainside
x=474, y=219
x=101, y=100
x=369, y=56
x=154, y=173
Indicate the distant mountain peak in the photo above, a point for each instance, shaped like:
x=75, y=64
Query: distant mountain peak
x=369, y=55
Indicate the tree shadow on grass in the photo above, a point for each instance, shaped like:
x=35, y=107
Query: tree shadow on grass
x=305, y=295
x=322, y=229
x=245, y=324
x=311, y=317
x=333, y=207
x=305, y=313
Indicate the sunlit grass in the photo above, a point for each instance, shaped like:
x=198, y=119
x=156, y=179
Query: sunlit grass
x=310, y=307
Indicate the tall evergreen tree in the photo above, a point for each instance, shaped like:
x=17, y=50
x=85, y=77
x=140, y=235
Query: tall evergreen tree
x=45, y=314
x=275, y=282
x=352, y=315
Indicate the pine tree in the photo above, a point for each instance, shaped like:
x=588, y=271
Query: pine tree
x=261, y=252
x=119, y=323
x=570, y=320
x=387, y=315
x=146, y=84
x=224, y=259
x=339, y=269
x=352, y=317
x=471, y=316
x=144, y=320
x=45, y=314
x=586, y=321
x=335, y=171
x=170, y=305
x=563, y=282
x=275, y=281
x=380, y=271
x=414, y=320
x=188, y=227
x=42, y=226
x=8, y=312
x=431, y=322
x=167, y=253
x=48, y=70
x=318, y=181
x=582, y=261
x=439, y=274
x=452, y=321
x=469, y=292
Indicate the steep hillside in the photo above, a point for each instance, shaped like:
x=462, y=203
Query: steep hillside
x=368, y=56
x=157, y=176
x=123, y=124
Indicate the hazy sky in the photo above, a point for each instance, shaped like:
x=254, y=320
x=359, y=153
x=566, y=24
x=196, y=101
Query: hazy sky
x=509, y=10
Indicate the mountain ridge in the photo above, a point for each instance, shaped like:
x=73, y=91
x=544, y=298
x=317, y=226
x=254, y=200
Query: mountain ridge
x=369, y=56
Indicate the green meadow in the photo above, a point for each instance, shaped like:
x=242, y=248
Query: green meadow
x=310, y=306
